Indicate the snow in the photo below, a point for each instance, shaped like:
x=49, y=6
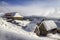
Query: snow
x=10, y=31
x=31, y=27
x=8, y=27
x=17, y=15
x=22, y=23
x=1, y=13
x=55, y=36
x=49, y=24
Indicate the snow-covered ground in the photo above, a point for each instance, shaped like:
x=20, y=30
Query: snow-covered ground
x=9, y=31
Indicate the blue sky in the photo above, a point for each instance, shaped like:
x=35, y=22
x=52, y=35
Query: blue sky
x=18, y=2
x=29, y=2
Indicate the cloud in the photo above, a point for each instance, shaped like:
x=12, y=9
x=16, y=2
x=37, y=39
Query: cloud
x=27, y=10
x=36, y=8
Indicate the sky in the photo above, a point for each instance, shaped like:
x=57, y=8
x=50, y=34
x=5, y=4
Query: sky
x=31, y=7
x=47, y=3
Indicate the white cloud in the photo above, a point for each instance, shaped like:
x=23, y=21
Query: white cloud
x=28, y=10
x=32, y=9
